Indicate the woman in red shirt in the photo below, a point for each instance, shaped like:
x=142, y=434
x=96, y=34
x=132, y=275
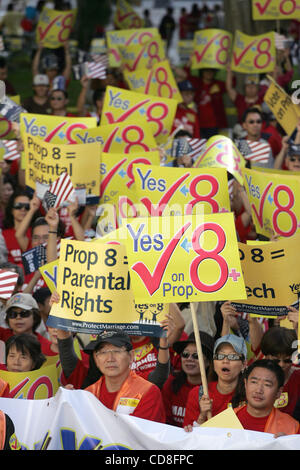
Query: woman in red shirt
x=176, y=389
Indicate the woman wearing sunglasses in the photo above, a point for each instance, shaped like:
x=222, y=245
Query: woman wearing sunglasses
x=176, y=389
x=229, y=360
x=18, y=206
x=22, y=316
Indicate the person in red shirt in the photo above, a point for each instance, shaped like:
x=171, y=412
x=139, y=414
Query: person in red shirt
x=119, y=388
x=279, y=344
x=263, y=382
x=185, y=115
x=176, y=389
x=22, y=316
x=249, y=99
x=229, y=356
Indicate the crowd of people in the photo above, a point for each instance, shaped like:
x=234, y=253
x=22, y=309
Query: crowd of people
x=251, y=365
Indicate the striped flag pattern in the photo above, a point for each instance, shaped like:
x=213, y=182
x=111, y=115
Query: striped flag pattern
x=197, y=146
x=11, y=153
x=259, y=152
x=97, y=67
x=59, y=191
x=8, y=280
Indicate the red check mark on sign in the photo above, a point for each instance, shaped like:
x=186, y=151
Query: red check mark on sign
x=259, y=215
x=200, y=56
x=153, y=281
x=42, y=32
x=125, y=115
x=237, y=58
x=160, y=206
x=109, y=176
x=262, y=8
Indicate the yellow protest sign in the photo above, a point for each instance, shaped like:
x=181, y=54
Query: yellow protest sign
x=182, y=259
x=116, y=193
x=54, y=27
x=181, y=191
x=120, y=104
x=158, y=81
x=220, y=151
x=253, y=54
x=185, y=49
x=282, y=106
x=126, y=37
x=49, y=273
x=212, y=48
x=45, y=162
x=275, y=9
x=226, y=419
x=140, y=56
x=275, y=202
x=126, y=137
x=34, y=385
x=271, y=275
x=54, y=129
x=126, y=17
x=95, y=292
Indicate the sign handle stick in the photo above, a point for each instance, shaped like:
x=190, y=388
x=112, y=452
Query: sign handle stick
x=199, y=350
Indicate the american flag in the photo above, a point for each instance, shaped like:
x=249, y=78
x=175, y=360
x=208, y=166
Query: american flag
x=8, y=280
x=59, y=192
x=97, y=67
x=197, y=146
x=11, y=153
x=34, y=258
x=257, y=151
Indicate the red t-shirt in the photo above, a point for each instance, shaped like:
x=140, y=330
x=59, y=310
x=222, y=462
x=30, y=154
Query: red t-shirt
x=150, y=406
x=242, y=105
x=250, y=422
x=220, y=402
x=175, y=403
x=14, y=250
x=189, y=119
x=6, y=333
x=290, y=393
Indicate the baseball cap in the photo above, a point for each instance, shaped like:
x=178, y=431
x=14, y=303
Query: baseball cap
x=41, y=79
x=236, y=342
x=207, y=343
x=116, y=337
x=252, y=80
x=21, y=300
x=294, y=149
x=186, y=85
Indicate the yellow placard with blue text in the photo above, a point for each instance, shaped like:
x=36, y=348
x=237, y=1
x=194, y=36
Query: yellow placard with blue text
x=54, y=27
x=271, y=275
x=125, y=137
x=116, y=194
x=33, y=385
x=45, y=162
x=140, y=56
x=126, y=37
x=49, y=273
x=182, y=258
x=120, y=105
x=253, y=54
x=126, y=17
x=157, y=81
x=211, y=49
x=180, y=191
x=275, y=202
x=220, y=151
x=95, y=292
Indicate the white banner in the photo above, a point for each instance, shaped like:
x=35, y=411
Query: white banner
x=76, y=420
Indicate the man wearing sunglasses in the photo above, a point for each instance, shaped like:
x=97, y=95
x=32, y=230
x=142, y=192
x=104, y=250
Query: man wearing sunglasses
x=252, y=124
x=59, y=103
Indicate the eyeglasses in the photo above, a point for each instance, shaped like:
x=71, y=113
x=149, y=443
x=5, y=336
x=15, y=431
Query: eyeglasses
x=38, y=238
x=22, y=205
x=258, y=121
x=294, y=158
x=230, y=357
x=12, y=314
x=114, y=352
x=56, y=98
x=187, y=355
